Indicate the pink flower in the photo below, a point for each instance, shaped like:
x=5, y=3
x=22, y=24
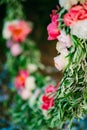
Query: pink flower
x=25, y=94
x=19, y=31
x=78, y=12
x=20, y=79
x=50, y=89
x=15, y=49
x=52, y=28
x=54, y=16
x=52, y=31
x=64, y=40
x=47, y=102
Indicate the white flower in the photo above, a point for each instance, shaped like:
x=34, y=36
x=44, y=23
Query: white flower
x=64, y=52
x=6, y=32
x=61, y=61
x=60, y=46
x=32, y=68
x=30, y=83
x=79, y=29
x=67, y=4
x=64, y=39
x=25, y=94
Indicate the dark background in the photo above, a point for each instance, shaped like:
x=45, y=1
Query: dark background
x=38, y=12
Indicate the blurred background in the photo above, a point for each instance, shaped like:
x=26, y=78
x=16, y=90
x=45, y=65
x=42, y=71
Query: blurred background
x=37, y=12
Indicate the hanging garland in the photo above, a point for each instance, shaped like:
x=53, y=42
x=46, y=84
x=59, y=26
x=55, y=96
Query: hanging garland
x=68, y=26
x=23, y=62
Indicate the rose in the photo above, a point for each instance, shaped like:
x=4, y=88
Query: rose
x=76, y=13
x=61, y=61
x=64, y=41
x=52, y=28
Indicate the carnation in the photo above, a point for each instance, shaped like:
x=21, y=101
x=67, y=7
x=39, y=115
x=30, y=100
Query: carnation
x=79, y=29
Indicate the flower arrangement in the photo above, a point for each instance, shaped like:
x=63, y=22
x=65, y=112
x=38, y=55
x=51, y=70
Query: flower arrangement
x=61, y=102
x=70, y=20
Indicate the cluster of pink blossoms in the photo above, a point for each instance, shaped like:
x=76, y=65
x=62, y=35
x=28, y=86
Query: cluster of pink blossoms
x=52, y=28
x=16, y=32
x=76, y=13
x=47, y=99
x=20, y=79
x=76, y=20
x=24, y=83
x=63, y=43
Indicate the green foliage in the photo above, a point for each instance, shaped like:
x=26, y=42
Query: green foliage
x=27, y=115
x=14, y=9
x=61, y=24
x=71, y=97
x=30, y=54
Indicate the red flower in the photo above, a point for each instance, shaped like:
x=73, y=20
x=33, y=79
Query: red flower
x=78, y=12
x=52, y=28
x=47, y=102
x=19, y=81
